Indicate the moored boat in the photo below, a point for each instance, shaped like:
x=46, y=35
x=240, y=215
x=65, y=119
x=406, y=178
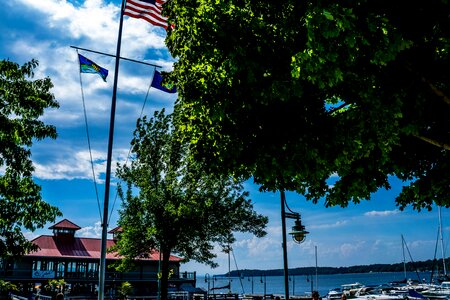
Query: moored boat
x=334, y=294
x=349, y=290
x=441, y=291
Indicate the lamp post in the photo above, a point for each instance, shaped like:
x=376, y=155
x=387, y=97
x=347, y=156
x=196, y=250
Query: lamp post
x=298, y=234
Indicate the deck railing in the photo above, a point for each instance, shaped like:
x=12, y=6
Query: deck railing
x=109, y=276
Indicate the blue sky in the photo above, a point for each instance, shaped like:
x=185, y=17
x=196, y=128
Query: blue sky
x=367, y=233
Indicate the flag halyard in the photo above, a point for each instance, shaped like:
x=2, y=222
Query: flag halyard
x=149, y=10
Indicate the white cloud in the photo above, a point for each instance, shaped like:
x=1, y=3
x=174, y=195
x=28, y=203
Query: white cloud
x=94, y=231
x=351, y=249
x=257, y=247
x=384, y=213
x=30, y=235
x=97, y=23
x=92, y=20
x=78, y=166
x=419, y=244
x=329, y=225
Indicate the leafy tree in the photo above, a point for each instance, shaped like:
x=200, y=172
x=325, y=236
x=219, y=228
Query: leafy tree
x=178, y=207
x=125, y=289
x=293, y=93
x=6, y=286
x=57, y=284
x=22, y=101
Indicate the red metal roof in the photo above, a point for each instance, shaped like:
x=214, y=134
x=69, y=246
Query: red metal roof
x=65, y=224
x=51, y=246
x=117, y=229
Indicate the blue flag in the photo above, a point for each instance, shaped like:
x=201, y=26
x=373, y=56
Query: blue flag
x=157, y=84
x=88, y=66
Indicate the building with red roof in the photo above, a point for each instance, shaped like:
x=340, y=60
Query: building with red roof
x=76, y=261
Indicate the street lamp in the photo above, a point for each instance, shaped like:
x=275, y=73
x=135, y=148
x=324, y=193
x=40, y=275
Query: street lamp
x=298, y=234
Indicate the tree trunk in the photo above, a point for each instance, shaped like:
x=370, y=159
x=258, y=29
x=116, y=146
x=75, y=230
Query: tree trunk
x=165, y=273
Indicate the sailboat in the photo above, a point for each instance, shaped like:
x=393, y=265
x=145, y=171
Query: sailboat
x=443, y=277
x=436, y=292
x=441, y=291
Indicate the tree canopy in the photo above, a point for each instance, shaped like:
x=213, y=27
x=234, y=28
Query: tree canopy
x=294, y=93
x=22, y=102
x=173, y=205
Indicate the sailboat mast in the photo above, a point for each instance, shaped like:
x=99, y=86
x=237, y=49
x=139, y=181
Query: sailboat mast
x=229, y=269
x=442, y=240
x=317, y=284
x=403, y=251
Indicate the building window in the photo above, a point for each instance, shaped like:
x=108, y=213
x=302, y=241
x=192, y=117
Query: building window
x=36, y=265
x=50, y=266
x=81, y=268
x=64, y=231
x=77, y=269
x=71, y=269
x=60, y=268
x=92, y=270
x=43, y=265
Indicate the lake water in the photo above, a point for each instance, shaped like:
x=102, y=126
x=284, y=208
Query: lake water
x=300, y=284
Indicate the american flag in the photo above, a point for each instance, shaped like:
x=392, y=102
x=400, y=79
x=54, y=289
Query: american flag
x=149, y=10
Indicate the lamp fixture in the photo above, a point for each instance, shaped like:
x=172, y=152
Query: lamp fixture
x=298, y=232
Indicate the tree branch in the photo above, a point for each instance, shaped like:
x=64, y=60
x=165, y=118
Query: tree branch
x=433, y=88
x=437, y=91
x=433, y=142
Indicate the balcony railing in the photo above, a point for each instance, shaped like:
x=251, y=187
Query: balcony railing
x=93, y=276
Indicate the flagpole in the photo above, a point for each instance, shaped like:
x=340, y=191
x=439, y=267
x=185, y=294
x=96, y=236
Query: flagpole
x=111, y=55
x=101, y=286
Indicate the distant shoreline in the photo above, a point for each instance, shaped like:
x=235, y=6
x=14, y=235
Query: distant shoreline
x=420, y=266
